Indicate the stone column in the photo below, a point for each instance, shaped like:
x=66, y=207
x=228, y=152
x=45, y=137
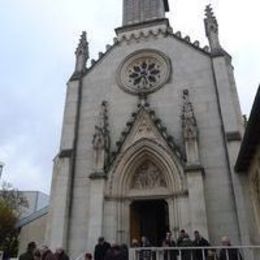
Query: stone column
x=197, y=202
x=58, y=216
x=173, y=216
x=56, y=231
x=96, y=204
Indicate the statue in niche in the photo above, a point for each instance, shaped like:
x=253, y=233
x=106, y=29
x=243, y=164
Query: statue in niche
x=101, y=141
x=99, y=151
x=190, y=130
x=148, y=176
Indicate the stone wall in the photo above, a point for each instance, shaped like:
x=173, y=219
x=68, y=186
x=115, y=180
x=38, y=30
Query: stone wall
x=254, y=194
x=33, y=231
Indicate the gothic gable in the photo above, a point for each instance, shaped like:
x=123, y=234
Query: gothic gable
x=147, y=160
x=146, y=125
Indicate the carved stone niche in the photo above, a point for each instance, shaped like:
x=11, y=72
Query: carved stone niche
x=148, y=176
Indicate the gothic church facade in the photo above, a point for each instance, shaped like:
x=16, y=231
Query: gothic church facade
x=150, y=136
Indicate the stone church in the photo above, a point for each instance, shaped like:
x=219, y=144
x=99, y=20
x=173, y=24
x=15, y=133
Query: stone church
x=150, y=137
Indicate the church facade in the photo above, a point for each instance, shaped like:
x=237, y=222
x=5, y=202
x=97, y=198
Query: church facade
x=150, y=137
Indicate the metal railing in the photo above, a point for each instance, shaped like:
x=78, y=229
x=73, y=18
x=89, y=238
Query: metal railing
x=195, y=253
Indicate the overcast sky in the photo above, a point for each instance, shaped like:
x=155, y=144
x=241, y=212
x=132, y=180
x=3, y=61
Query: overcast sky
x=38, y=40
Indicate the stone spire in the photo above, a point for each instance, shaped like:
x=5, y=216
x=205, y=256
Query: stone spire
x=82, y=54
x=138, y=11
x=211, y=26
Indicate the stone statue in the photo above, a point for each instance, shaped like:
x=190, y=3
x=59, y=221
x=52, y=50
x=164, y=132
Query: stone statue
x=101, y=141
x=190, y=130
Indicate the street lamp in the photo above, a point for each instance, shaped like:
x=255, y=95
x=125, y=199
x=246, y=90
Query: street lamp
x=1, y=168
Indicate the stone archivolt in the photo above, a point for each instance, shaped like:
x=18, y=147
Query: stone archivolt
x=148, y=176
x=147, y=159
x=145, y=124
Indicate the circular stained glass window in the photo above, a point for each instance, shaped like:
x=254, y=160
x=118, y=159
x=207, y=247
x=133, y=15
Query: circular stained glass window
x=144, y=72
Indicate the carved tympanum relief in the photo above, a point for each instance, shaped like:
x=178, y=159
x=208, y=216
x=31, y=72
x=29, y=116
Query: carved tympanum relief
x=148, y=176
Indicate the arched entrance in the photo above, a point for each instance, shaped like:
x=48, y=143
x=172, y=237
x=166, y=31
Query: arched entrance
x=149, y=218
x=147, y=190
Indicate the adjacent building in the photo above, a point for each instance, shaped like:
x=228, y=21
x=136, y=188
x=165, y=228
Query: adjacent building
x=248, y=167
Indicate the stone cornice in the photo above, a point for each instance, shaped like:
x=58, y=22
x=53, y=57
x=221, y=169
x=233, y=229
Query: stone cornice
x=233, y=136
x=194, y=168
x=141, y=34
x=183, y=193
x=65, y=153
x=97, y=175
x=142, y=25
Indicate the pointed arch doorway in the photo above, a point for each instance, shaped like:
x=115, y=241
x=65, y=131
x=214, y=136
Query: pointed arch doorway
x=149, y=218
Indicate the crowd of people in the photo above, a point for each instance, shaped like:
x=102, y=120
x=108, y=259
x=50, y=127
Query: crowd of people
x=174, y=250
x=43, y=253
x=105, y=251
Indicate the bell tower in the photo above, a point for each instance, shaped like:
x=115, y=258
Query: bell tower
x=139, y=11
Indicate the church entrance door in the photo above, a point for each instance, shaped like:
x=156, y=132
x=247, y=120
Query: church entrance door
x=149, y=218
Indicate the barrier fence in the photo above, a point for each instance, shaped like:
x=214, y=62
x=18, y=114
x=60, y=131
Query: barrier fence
x=195, y=253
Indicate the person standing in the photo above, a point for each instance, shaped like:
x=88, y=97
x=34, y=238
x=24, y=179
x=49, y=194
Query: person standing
x=186, y=254
x=124, y=251
x=47, y=254
x=169, y=242
x=114, y=253
x=101, y=249
x=135, y=243
x=181, y=237
x=145, y=254
x=60, y=254
x=29, y=254
x=88, y=256
x=200, y=241
x=229, y=253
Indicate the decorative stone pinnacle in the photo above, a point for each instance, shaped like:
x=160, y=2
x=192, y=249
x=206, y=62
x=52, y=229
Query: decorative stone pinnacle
x=82, y=55
x=211, y=27
x=83, y=45
x=210, y=14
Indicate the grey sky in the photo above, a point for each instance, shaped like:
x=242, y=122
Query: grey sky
x=38, y=39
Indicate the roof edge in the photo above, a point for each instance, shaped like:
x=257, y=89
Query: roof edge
x=251, y=137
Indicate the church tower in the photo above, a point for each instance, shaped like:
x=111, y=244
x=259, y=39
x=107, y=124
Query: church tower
x=150, y=135
x=135, y=12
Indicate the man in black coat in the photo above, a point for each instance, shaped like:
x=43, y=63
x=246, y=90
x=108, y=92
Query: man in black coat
x=29, y=254
x=200, y=241
x=227, y=253
x=101, y=249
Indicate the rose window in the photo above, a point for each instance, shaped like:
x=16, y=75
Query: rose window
x=144, y=72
